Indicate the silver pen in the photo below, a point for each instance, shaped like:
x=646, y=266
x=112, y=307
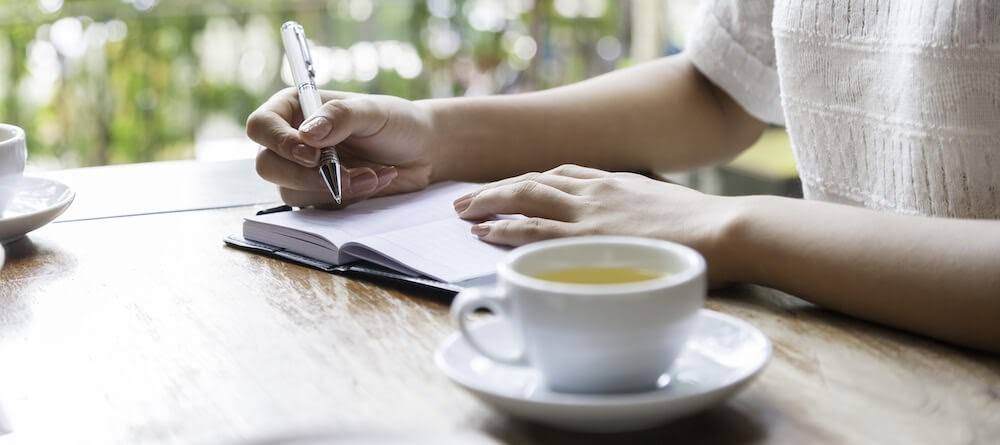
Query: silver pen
x=304, y=75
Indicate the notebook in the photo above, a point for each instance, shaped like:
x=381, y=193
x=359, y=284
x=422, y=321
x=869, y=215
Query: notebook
x=416, y=237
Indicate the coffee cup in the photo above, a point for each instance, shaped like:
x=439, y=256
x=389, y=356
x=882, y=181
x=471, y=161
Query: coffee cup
x=594, y=314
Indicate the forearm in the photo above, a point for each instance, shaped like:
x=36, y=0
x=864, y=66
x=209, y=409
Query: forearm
x=936, y=276
x=662, y=115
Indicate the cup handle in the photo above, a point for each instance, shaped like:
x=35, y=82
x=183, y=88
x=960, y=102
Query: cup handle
x=473, y=299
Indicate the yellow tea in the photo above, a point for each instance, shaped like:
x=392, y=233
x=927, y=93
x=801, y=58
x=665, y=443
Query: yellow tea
x=598, y=275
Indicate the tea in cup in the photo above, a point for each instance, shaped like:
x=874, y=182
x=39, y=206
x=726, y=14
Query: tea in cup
x=595, y=314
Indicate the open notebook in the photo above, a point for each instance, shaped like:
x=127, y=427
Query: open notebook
x=414, y=235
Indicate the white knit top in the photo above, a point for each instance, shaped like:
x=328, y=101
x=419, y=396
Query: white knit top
x=890, y=104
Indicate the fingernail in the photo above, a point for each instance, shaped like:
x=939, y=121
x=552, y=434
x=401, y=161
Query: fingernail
x=481, y=230
x=386, y=175
x=363, y=181
x=316, y=127
x=305, y=155
x=387, y=171
x=463, y=203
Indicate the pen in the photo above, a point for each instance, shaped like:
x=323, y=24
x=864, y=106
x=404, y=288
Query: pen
x=278, y=209
x=304, y=75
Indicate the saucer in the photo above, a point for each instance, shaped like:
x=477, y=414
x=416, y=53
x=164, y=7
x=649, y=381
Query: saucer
x=28, y=203
x=722, y=355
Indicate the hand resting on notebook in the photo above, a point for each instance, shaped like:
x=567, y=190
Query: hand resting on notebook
x=572, y=200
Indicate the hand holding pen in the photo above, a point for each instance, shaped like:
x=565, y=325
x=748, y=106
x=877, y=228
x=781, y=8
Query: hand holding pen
x=383, y=145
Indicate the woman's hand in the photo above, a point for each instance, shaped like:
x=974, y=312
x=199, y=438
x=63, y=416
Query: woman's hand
x=383, y=143
x=572, y=200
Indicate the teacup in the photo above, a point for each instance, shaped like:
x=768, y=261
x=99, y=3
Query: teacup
x=13, y=150
x=593, y=338
x=13, y=154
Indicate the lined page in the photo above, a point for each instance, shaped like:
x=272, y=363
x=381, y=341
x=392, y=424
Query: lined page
x=374, y=216
x=445, y=250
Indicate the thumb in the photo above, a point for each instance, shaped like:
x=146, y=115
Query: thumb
x=340, y=119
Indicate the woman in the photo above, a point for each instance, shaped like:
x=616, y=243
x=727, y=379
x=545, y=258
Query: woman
x=893, y=108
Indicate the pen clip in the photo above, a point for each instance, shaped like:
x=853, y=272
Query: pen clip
x=300, y=36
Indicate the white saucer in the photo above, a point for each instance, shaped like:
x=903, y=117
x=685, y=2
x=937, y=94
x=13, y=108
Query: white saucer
x=722, y=355
x=29, y=203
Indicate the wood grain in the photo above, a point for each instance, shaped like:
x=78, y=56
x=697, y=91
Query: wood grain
x=145, y=329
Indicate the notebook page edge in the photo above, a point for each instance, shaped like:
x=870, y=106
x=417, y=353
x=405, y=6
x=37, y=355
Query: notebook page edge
x=310, y=229
x=284, y=239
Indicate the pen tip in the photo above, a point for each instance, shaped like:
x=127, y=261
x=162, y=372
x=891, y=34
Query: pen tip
x=331, y=176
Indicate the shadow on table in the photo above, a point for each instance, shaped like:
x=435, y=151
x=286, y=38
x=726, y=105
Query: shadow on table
x=20, y=248
x=722, y=425
x=27, y=258
x=320, y=437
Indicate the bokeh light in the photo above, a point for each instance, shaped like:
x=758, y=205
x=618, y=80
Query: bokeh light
x=113, y=81
x=50, y=6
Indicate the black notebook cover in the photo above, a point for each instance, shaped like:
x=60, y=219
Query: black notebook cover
x=359, y=268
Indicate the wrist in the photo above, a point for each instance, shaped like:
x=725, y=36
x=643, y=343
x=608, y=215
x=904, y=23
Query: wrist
x=737, y=255
x=438, y=142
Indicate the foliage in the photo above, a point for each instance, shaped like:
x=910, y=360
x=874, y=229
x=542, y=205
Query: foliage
x=110, y=81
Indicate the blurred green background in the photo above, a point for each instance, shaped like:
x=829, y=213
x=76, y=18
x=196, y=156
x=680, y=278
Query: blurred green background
x=98, y=82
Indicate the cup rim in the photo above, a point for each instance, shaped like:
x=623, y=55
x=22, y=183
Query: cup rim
x=17, y=133
x=694, y=271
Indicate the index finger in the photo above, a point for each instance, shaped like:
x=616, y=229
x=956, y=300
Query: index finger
x=271, y=125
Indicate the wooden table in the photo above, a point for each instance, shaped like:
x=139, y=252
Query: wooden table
x=145, y=329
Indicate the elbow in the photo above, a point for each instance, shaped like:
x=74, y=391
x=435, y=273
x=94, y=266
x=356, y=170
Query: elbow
x=738, y=129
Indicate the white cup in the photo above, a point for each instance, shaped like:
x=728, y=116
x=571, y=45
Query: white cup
x=13, y=154
x=593, y=338
x=4, y=423
x=13, y=150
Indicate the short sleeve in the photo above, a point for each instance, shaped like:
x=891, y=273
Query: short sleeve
x=733, y=46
